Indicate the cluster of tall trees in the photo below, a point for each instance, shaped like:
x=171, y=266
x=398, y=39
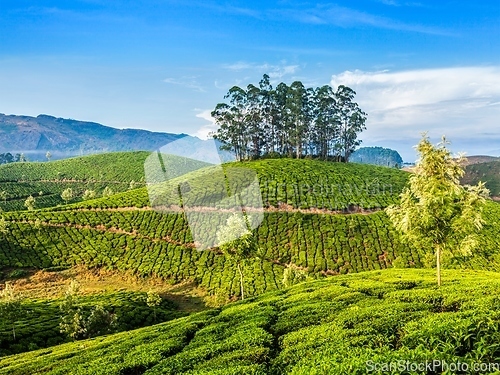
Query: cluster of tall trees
x=292, y=121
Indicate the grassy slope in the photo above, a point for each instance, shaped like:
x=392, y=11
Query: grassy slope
x=150, y=243
x=295, y=183
x=93, y=172
x=330, y=326
x=38, y=327
x=486, y=172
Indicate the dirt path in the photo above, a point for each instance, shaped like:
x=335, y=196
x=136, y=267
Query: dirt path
x=281, y=208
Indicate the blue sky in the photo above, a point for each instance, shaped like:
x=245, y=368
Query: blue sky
x=163, y=65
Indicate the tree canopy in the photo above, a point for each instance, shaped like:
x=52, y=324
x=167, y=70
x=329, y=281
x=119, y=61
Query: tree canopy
x=292, y=121
x=436, y=212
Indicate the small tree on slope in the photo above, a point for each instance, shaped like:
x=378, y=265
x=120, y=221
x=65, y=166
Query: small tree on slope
x=235, y=240
x=10, y=306
x=435, y=210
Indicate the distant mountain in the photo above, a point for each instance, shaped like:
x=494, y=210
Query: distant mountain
x=377, y=156
x=488, y=172
x=34, y=136
x=478, y=159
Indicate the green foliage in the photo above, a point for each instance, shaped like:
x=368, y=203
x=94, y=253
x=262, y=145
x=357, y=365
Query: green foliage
x=39, y=324
x=29, y=203
x=236, y=241
x=293, y=275
x=107, y=192
x=78, y=325
x=88, y=194
x=67, y=195
x=436, y=212
x=337, y=325
x=10, y=306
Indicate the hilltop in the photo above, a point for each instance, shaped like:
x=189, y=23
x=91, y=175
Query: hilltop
x=336, y=325
x=34, y=136
x=478, y=159
x=487, y=172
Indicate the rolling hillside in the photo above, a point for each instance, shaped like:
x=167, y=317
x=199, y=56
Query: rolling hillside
x=488, y=172
x=46, y=181
x=341, y=325
x=313, y=218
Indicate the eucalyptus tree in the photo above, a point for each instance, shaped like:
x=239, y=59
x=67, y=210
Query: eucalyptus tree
x=269, y=113
x=253, y=121
x=297, y=107
x=3, y=196
x=29, y=203
x=231, y=121
x=288, y=120
x=351, y=119
x=237, y=243
x=326, y=124
x=281, y=123
x=11, y=308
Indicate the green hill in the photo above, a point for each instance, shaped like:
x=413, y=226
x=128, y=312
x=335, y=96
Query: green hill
x=46, y=181
x=290, y=183
x=343, y=325
x=122, y=233
x=488, y=173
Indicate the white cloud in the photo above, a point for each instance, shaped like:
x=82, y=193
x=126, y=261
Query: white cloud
x=459, y=102
x=347, y=17
x=275, y=71
x=190, y=82
x=204, y=131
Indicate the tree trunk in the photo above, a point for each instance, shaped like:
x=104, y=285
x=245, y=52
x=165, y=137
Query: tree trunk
x=438, y=265
x=241, y=281
x=14, y=331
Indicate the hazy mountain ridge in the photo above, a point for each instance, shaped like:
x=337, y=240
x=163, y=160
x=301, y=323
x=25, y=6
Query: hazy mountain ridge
x=66, y=137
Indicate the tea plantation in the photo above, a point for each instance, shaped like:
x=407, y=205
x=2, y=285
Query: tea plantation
x=46, y=181
x=298, y=183
x=350, y=324
x=121, y=232
x=38, y=326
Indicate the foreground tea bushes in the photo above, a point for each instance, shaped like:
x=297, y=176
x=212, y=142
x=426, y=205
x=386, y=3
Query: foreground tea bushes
x=350, y=324
x=38, y=325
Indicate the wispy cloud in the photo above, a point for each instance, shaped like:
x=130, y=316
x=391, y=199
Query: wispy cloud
x=398, y=3
x=275, y=71
x=190, y=82
x=76, y=15
x=304, y=50
x=332, y=14
x=459, y=102
x=347, y=17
